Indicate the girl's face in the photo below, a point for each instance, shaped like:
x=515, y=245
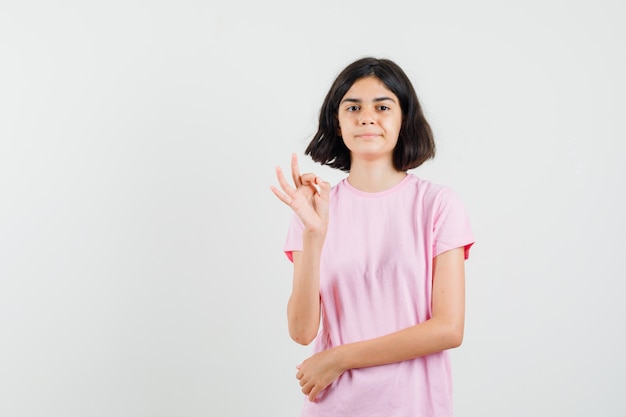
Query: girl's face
x=370, y=118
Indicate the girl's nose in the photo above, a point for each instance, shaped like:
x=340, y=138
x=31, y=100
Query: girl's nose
x=366, y=117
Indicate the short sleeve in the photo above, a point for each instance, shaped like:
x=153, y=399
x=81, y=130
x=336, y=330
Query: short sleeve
x=293, y=242
x=451, y=226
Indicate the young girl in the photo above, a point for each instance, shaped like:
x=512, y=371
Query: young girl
x=378, y=259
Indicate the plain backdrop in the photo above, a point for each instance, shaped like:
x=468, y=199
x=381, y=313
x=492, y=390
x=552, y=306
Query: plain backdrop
x=141, y=264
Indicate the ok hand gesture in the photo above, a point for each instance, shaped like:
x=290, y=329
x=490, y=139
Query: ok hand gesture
x=308, y=198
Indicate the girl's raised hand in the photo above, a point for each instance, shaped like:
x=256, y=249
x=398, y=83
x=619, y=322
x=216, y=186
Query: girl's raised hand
x=308, y=197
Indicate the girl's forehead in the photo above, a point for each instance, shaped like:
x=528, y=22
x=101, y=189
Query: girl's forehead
x=368, y=80
x=368, y=85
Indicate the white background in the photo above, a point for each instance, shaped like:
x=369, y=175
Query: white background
x=141, y=271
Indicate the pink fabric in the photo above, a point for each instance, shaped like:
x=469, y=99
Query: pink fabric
x=376, y=271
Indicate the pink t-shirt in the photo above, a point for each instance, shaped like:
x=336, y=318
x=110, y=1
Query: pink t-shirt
x=375, y=279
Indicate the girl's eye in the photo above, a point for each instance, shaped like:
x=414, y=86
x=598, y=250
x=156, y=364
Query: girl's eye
x=383, y=108
x=352, y=108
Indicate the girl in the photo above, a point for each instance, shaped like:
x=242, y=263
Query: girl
x=378, y=259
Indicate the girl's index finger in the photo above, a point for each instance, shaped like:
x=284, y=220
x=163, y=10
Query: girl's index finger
x=295, y=170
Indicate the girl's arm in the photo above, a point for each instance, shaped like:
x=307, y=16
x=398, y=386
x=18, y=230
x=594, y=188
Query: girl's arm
x=308, y=198
x=303, y=308
x=444, y=330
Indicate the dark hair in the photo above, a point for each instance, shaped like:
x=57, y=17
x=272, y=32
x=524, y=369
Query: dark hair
x=415, y=141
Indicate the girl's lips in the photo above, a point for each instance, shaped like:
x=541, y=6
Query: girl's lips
x=368, y=135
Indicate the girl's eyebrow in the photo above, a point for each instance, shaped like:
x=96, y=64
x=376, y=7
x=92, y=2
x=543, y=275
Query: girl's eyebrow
x=358, y=100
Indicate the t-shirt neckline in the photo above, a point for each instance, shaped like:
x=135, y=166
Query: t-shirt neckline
x=383, y=193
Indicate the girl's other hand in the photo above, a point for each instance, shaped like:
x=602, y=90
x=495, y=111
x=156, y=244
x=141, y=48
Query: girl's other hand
x=318, y=372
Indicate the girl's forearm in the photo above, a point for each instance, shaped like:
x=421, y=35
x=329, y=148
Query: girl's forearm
x=431, y=336
x=303, y=309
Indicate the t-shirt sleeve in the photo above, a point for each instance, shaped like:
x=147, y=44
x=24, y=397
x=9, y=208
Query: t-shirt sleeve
x=293, y=242
x=451, y=226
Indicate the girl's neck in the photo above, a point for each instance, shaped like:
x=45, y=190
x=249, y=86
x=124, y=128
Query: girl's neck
x=374, y=177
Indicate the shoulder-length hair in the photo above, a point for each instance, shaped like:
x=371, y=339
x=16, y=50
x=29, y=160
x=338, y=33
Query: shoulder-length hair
x=415, y=141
